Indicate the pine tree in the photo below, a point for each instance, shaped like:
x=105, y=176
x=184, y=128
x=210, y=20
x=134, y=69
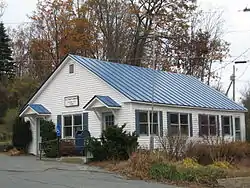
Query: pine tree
x=7, y=66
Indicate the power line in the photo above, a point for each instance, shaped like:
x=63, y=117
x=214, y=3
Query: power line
x=231, y=61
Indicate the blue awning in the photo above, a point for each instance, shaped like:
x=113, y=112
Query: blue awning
x=105, y=100
x=35, y=109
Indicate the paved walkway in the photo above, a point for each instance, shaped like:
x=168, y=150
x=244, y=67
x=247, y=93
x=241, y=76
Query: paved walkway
x=28, y=172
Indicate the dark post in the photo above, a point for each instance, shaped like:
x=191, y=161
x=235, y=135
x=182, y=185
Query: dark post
x=58, y=146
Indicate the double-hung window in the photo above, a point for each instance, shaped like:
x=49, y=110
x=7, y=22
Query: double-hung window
x=179, y=123
x=207, y=124
x=226, y=125
x=73, y=123
x=237, y=128
x=149, y=123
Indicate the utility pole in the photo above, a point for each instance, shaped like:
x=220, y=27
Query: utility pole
x=232, y=78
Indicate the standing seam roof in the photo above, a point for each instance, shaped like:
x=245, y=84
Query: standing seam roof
x=136, y=83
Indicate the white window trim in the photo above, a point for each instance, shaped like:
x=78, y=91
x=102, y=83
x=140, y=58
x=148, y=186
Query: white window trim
x=149, y=122
x=72, y=123
x=235, y=131
x=230, y=125
x=179, y=122
x=103, y=119
x=70, y=73
x=216, y=124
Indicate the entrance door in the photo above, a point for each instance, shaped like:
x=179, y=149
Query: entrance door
x=237, y=129
x=38, y=136
x=108, y=119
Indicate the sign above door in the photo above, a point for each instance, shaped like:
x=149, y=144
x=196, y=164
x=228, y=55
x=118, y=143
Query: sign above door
x=71, y=101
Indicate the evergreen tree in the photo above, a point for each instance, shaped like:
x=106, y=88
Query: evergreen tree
x=7, y=66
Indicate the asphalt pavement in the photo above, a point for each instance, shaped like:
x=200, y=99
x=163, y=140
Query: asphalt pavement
x=29, y=172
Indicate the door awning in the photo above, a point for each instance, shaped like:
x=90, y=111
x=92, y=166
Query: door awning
x=99, y=101
x=35, y=109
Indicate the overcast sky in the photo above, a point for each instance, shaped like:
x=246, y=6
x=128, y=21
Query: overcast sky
x=236, y=32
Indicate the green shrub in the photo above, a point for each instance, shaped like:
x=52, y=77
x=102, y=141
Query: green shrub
x=22, y=134
x=115, y=143
x=201, y=174
x=51, y=149
x=49, y=138
x=164, y=172
x=47, y=130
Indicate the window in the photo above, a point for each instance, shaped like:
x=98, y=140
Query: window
x=154, y=126
x=226, y=125
x=67, y=126
x=237, y=129
x=108, y=120
x=146, y=125
x=72, y=124
x=71, y=68
x=208, y=124
x=179, y=124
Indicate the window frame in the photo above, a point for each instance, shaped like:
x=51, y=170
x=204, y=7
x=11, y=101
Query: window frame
x=223, y=125
x=239, y=130
x=104, y=115
x=72, y=124
x=208, y=125
x=71, y=69
x=150, y=126
x=179, y=124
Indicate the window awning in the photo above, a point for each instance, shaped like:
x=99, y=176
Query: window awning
x=99, y=101
x=35, y=109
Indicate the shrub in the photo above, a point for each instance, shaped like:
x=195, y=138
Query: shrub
x=174, y=146
x=22, y=134
x=201, y=174
x=190, y=163
x=98, y=151
x=115, y=143
x=164, y=172
x=208, y=153
x=222, y=164
x=49, y=139
x=141, y=161
x=51, y=149
x=47, y=130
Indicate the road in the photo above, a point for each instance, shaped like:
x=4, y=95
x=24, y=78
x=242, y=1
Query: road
x=28, y=172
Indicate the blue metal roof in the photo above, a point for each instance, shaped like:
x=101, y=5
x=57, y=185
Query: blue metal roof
x=40, y=109
x=108, y=101
x=137, y=84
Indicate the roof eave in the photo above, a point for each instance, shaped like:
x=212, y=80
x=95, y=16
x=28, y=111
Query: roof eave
x=189, y=107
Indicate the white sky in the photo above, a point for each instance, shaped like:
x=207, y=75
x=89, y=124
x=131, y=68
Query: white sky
x=237, y=32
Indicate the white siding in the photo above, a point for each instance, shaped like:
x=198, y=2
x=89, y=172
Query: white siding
x=85, y=84
x=145, y=140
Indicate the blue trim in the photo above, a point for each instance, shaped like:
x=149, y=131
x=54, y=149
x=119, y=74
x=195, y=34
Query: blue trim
x=40, y=109
x=108, y=101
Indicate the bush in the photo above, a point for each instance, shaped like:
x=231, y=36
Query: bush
x=164, y=172
x=49, y=138
x=201, y=174
x=115, y=144
x=51, y=149
x=174, y=146
x=141, y=161
x=22, y=134
x=208, y=153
